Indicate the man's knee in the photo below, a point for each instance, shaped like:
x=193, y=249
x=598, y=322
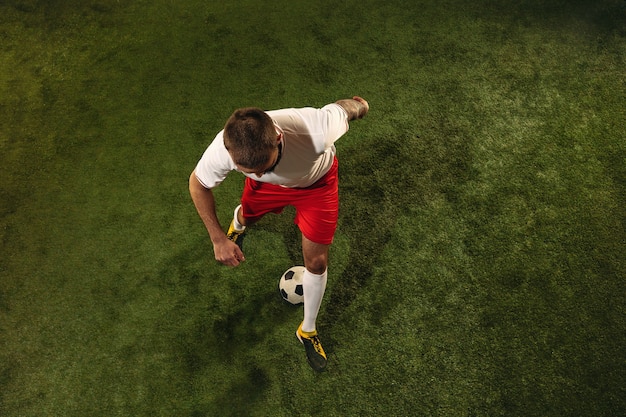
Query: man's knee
x=315, y=256
x=317, y=266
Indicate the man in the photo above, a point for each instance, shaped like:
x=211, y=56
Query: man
x=288, y=157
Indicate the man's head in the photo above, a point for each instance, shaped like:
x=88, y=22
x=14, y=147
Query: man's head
x=252, y=140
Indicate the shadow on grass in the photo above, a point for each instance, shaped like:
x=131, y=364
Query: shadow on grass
x=241, y=397
x=210, y=338
x=381, y=181
x=205, y=306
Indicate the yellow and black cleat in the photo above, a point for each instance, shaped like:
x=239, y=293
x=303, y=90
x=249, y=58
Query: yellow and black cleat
x=236, y=235
x=315, y=354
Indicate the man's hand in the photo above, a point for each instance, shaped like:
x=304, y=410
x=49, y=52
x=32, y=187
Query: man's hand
x=227, y=252
x=365, y=104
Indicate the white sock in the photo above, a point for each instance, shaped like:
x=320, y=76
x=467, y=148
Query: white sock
x=238, y=226
x=314, y=287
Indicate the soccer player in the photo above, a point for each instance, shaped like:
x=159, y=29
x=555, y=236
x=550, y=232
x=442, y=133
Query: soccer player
x=288, y=158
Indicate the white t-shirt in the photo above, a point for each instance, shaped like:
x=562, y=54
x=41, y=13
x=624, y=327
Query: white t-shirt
x=309, y=135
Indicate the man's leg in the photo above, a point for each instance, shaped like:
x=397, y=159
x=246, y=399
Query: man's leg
x=251, y=197
x=314, y=285
x=314, y=280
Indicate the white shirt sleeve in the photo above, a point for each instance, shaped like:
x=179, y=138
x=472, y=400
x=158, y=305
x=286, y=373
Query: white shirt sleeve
x=336, y=121
x=215, y=163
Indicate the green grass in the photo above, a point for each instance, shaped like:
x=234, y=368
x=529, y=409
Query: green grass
x=478, y=269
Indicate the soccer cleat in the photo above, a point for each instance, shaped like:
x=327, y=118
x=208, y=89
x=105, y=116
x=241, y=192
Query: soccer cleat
x=315, y=354
x=236, y=235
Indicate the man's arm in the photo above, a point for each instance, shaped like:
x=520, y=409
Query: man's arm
x=356, y=107
x=226, y=251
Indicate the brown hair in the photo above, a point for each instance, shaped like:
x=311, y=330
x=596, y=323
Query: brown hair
x=250, y=137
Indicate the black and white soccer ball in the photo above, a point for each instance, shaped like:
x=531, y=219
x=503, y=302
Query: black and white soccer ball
x=290, y=285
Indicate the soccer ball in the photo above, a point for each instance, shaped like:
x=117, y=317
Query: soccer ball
x=290, y=285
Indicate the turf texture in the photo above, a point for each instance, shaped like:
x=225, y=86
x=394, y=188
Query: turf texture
x=478, y=268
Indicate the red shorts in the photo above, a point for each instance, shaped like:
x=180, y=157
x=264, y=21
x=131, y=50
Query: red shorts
x=317, y=206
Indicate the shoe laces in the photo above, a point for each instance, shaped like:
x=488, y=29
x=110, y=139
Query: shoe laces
x=234, y=234
x=317, y=345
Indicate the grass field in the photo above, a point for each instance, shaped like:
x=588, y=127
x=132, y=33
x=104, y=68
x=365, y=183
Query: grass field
x=479, y=266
